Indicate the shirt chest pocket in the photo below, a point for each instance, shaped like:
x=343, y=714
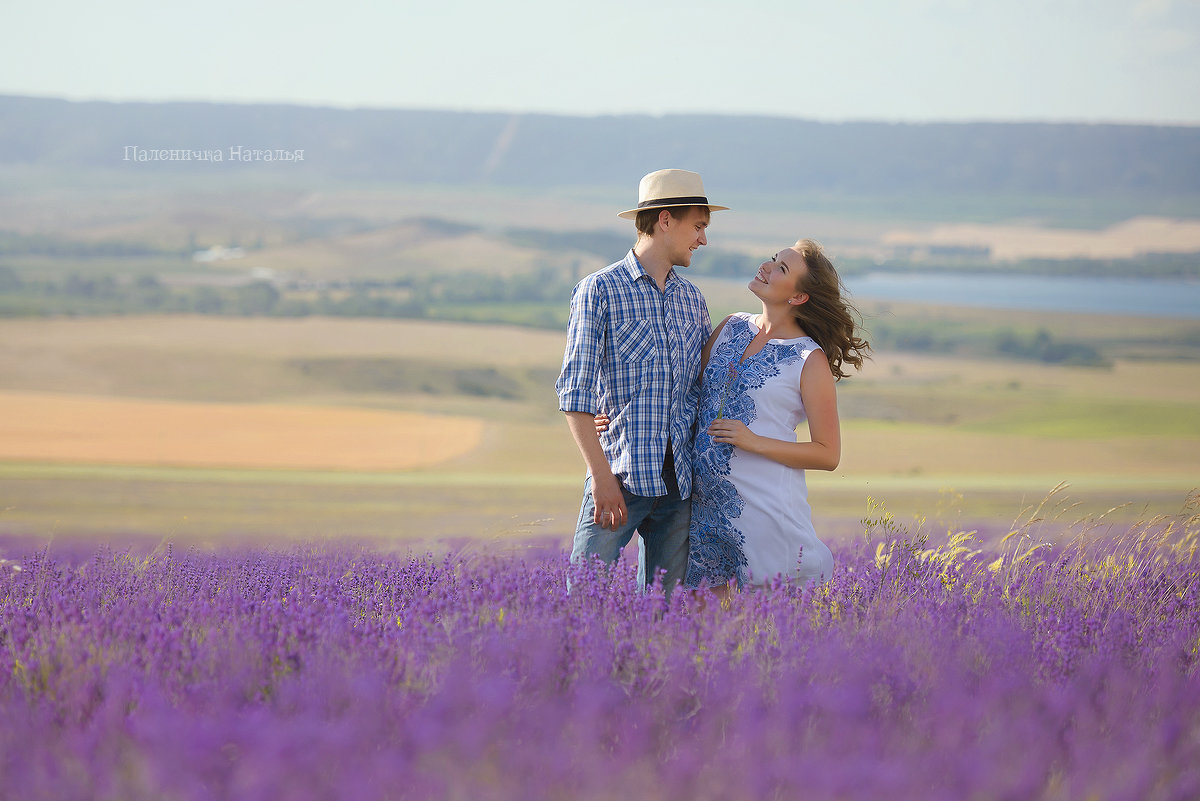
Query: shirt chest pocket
x=633, y=342
x=697, y=335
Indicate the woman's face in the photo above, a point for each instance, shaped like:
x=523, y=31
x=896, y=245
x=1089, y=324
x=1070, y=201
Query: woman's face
x=777, y=277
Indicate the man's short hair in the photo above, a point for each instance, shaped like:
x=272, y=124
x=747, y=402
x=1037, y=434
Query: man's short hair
x=648, y=218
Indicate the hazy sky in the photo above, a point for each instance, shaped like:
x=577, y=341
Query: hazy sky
x=1088, y=60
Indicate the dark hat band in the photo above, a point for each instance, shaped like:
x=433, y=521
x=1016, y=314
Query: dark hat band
x=695, y=200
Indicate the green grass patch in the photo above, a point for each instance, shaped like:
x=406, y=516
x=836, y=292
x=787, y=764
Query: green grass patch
x=412, y=376
x=530, y=315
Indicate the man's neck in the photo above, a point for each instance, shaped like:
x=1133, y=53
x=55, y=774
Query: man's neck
x=653, y=260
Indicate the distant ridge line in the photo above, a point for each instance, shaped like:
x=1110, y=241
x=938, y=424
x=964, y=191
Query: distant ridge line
x=735, y=153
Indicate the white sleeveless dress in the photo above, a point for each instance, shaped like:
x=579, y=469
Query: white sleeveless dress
x=750, y=515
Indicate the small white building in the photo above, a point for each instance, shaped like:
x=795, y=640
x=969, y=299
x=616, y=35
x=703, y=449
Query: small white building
x=218, y=253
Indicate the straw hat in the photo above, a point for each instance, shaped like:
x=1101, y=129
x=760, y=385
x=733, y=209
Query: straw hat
x=664, y=188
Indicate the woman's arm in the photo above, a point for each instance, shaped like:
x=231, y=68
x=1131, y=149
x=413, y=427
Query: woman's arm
x=823, y=451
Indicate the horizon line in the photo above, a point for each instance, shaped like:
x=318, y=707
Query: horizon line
x=830, y=120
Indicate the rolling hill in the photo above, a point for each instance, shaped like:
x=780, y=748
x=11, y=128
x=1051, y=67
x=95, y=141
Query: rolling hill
x=735, y=153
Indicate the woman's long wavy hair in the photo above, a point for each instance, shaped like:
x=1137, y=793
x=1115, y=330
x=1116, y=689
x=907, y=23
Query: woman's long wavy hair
x=826, y=316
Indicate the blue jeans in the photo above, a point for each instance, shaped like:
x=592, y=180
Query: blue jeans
x=662, y=523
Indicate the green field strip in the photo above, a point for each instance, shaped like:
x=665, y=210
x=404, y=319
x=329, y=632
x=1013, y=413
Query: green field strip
x=1041, y=482
x=1079, y=418
x=103, y=472
x=817, y=480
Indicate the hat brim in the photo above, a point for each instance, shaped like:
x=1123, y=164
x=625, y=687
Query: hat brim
x=632, y=214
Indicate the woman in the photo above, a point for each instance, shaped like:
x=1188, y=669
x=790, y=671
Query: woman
x=762, y=375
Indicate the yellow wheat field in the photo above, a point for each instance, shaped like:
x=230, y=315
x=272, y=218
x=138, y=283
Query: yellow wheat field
x=79, y=428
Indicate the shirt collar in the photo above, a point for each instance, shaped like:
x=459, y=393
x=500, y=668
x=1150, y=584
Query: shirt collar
x=635, y=270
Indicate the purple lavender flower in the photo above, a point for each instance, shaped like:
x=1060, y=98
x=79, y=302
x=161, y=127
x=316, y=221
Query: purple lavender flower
x=932, y=670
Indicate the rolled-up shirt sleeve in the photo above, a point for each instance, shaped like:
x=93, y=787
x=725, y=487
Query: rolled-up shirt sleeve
x=578, y=383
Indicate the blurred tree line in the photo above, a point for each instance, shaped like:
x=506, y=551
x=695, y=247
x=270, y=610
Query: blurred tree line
x=946, y=337
x=433, y=295
x=539, y=298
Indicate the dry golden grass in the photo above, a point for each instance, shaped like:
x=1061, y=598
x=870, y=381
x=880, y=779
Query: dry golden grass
x=945, y=453
x=63, y=339
x=221, y=359
x=61, y=428
x=402, y=249
x=1011, y=242
x=951, y=416
x=75, y=393
x=571, y=208
x=174, y=214
x=1130, y=380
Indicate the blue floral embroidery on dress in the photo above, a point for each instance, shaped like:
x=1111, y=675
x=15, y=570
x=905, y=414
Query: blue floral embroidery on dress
x=715, y=553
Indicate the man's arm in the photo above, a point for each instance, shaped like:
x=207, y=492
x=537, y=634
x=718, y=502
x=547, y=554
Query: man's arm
x=606, y=490
x=577, y=387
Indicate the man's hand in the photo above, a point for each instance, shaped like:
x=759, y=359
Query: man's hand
x=606, y=490
x=609, y=501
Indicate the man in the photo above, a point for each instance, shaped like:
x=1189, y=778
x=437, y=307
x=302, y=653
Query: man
x=633, y=351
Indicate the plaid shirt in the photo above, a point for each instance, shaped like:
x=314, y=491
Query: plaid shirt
x=633, y=352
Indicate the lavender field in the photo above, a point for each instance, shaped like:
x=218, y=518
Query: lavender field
x=941, y=668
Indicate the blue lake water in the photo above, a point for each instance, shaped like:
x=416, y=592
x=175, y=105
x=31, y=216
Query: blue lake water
x=1142, y=297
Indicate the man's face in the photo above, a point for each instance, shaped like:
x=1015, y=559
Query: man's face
x=685, y=234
